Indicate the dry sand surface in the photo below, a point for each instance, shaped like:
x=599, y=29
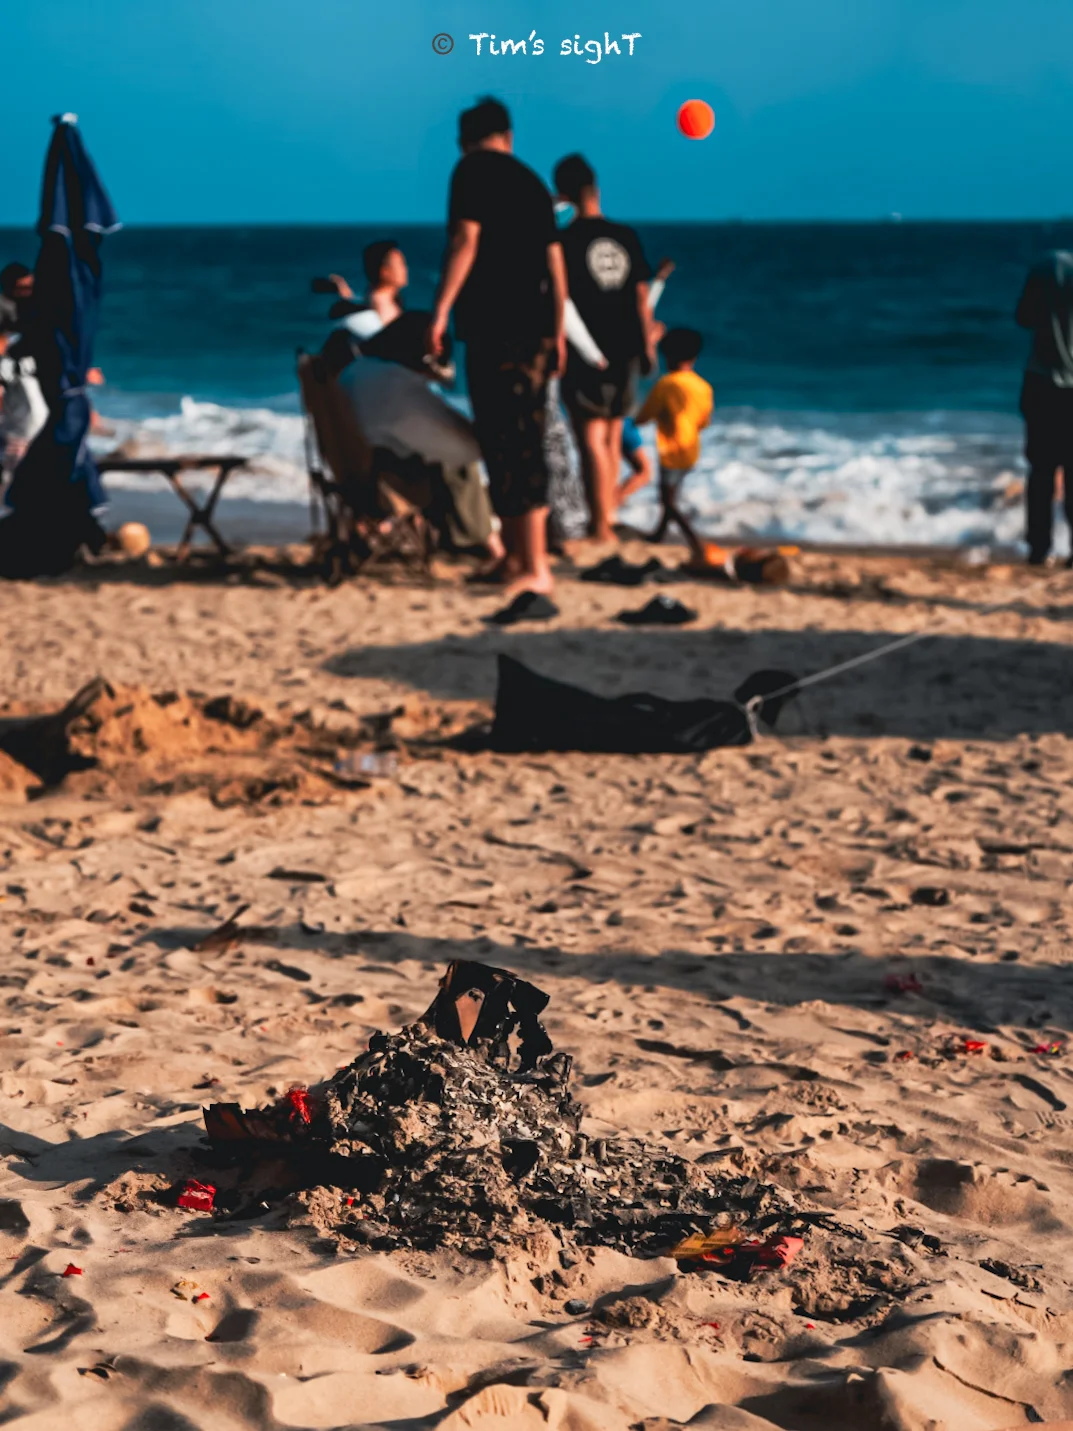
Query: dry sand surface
x=773, y=959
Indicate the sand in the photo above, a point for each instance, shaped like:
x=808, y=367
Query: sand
x=770, y=958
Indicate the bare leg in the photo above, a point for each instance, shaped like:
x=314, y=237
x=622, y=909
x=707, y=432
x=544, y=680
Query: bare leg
x=670, y=484
x=527, y=543
x=604, y=476
x=641, y=476
x=614, y=465
x=666, y=503
x=674, y=513
x=503, y=563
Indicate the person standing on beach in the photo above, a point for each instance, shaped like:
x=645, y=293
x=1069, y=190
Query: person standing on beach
x=505, y=279
x=23, y=409
x=680, y=405
x=1046, y=308
x=608, y=279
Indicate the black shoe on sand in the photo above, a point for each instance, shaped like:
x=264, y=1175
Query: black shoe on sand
x=614, y=571
x=526, y=606
x=660, y=611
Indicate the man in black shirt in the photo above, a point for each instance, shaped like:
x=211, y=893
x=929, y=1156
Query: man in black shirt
x=608, y=279
x=505, y=278
x=1046, y=307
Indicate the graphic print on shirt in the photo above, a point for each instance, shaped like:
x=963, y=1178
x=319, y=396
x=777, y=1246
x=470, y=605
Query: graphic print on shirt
x=608, y=262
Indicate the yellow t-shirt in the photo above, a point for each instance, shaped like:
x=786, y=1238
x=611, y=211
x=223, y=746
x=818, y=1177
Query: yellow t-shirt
x=680, y=405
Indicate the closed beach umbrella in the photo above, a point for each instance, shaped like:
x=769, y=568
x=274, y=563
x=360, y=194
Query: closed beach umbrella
x=57, y=481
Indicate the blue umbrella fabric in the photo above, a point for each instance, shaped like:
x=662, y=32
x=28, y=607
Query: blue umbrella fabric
x=56, y=488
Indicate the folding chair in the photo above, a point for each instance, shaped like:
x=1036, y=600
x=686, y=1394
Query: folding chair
x=366, y=517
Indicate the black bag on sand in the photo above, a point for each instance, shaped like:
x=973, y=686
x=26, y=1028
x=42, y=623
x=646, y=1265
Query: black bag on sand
x=534, y=712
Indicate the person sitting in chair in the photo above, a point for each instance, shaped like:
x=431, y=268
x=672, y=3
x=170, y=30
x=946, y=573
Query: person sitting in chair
x=386, y=275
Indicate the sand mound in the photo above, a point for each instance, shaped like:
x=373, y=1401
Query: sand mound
x=113, y=740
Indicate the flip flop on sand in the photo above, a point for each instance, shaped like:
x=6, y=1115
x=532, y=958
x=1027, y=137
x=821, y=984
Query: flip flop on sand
x=526, y=606
x=660, y=611
x=614, y=571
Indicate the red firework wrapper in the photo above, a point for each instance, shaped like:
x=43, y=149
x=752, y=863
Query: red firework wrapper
x=775, y=1252
x=197, y=1197
x=298, y=1102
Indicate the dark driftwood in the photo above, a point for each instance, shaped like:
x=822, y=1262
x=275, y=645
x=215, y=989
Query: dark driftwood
x=42, y=743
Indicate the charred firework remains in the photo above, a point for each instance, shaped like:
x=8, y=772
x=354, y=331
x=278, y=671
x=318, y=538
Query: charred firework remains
x=461, y=1131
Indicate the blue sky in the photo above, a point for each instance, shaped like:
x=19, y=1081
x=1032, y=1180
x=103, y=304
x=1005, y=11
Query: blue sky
x=338, y=110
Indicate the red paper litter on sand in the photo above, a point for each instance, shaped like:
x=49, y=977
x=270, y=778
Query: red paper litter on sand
x=722, y=1254
x=775, y=1252
x=905, y=1055
x=298, y=1098
x=973, y=1045
x=903, y=984
x=1049, y=1048
x=197, y=1197
x=72, y=1271
x=201, y=1297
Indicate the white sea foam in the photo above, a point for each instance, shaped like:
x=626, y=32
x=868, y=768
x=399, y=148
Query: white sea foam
x=274, y=443
x=889, y=478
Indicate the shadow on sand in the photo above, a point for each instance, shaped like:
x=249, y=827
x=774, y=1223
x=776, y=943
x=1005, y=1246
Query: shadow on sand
x=947, y=686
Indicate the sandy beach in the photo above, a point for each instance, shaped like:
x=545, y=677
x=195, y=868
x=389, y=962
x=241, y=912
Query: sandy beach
x=833, y=961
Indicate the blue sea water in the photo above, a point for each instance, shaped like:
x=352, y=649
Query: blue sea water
x=866, y=375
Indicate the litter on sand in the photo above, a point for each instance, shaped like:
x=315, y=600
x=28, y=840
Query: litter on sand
x=461, y=1131
x=197, y=1197
x=535, y=712
x=903, y=984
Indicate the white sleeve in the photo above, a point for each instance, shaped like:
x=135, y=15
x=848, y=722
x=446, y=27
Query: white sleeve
x=655, y=292
x=366, y=323
x=580, y=337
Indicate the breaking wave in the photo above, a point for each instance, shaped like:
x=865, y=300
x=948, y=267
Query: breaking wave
x=884, y=479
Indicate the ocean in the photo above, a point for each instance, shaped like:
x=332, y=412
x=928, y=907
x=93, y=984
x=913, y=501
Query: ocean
x=866, y=375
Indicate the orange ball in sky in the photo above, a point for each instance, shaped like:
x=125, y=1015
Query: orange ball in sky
x=696, y=119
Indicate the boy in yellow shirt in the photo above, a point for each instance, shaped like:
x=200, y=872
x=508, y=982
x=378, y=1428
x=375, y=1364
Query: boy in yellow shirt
x=680, y=405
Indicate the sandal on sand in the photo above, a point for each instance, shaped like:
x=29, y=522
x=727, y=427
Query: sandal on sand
x=526, y=606
x=614, y=571
x=660, y=611
x=490, y=576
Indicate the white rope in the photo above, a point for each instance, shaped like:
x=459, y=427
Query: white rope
x=756, y=703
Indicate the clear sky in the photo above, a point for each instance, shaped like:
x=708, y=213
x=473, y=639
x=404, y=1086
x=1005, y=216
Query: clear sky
x=339, y=110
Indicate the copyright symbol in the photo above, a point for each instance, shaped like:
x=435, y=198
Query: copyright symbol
x=442, y=43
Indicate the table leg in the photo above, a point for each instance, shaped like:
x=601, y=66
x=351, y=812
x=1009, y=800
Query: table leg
x=223, y=473
x=201, y=516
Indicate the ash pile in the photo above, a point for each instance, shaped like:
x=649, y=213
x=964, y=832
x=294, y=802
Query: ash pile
x=461, y=1131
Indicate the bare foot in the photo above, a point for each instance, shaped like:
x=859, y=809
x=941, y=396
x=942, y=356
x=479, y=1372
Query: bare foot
x=500, y=572
x=540, y=581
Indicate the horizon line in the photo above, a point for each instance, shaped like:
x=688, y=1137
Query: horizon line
x=892, y=220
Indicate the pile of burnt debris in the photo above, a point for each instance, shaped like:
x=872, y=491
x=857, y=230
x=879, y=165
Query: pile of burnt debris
x=461, y=1131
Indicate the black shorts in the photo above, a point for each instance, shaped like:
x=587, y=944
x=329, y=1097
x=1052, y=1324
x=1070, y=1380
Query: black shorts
x=508, y=387
x=609, y=392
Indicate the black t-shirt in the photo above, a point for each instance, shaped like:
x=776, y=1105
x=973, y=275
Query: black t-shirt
x=604, y=265
x=508, y=295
